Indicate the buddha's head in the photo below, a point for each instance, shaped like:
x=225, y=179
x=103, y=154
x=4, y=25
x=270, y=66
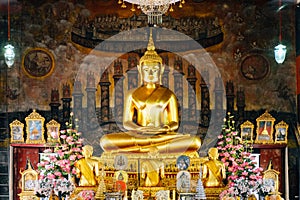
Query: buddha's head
x=213, y=153
x=87, y=151
x=150, y=66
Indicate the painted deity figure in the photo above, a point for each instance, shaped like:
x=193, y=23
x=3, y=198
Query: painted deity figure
x=87, y=168
x=183, y=181
x=213, y=170
x=150, y=115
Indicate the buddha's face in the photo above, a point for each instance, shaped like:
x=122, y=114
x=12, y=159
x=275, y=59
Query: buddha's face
x=213, y=153
x=86, y=152
x=151, y=72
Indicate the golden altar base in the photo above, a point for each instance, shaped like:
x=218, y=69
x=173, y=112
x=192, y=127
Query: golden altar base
x=213, y=193
x=168, y=182
x=135, y=182
x=150, y=191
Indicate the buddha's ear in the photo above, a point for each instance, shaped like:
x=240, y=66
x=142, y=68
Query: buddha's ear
x=162, y=69
x=139, y=67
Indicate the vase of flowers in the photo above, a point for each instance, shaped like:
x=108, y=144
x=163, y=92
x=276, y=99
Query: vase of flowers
x=57, y=166
x=243, y=176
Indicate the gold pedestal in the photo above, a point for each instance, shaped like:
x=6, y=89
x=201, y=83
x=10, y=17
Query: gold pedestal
x=150, y=191
x=78, y=189
x=213, y=192
x=109, y=155
x=168, y=182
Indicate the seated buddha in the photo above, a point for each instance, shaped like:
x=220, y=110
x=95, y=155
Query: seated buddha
x=150, y=115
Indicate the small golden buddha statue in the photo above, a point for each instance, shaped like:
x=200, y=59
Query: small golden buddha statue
x=214, y=171
x=87, y=168
x=152, y=169
x=150, y=115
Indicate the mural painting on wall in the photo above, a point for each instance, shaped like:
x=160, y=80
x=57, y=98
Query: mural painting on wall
x=90, y=32
x=38, y=62
x=66, y=33
x=255, y=67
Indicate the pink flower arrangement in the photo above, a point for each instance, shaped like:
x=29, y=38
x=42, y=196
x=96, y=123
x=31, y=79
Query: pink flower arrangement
x=243, y=176
x=57, y=165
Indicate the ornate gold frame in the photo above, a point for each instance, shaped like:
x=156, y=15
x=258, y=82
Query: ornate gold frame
x=273, y=175
x=53, y=127
x=247, y=132
x=120, y=162
x=16, y=132
x=264, y=131
x=29, y=178
x=36, y=61
x=35, y=128
x=281, y=133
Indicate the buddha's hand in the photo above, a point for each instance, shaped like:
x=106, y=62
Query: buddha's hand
x=154, y=130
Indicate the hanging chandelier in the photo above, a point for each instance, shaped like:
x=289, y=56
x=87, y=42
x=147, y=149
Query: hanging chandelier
x=154, y=9
x=9, y=53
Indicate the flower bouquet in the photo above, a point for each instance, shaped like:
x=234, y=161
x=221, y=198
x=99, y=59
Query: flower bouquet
x=58, y=165
x=243, y=176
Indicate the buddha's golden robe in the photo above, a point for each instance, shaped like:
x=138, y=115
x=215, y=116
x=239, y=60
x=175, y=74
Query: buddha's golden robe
x=87, y=169
x=150, y=115
x=155, y=111
x=214, y=171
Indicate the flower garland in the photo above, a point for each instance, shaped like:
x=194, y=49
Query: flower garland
x=243, y=176
x=57, y=166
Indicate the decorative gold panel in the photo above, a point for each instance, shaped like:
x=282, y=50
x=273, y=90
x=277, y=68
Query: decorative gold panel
x=16, y=132
x=264, y=131
x=53, y=134
x=35, y=128
x=281, y=132
x=247, y=132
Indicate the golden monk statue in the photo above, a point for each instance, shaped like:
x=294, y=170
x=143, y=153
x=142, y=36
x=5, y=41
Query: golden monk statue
x=152, y=171
x=214, y=171
x=87, y=168
x=150, y=115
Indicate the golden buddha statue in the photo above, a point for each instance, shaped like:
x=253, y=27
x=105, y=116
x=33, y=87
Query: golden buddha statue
x=152, y=168
x=150, y=115
x=87, y=168
x=214, y=171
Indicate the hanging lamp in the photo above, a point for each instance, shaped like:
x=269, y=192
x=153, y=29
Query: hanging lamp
x=9, y=53
x=280, y=49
